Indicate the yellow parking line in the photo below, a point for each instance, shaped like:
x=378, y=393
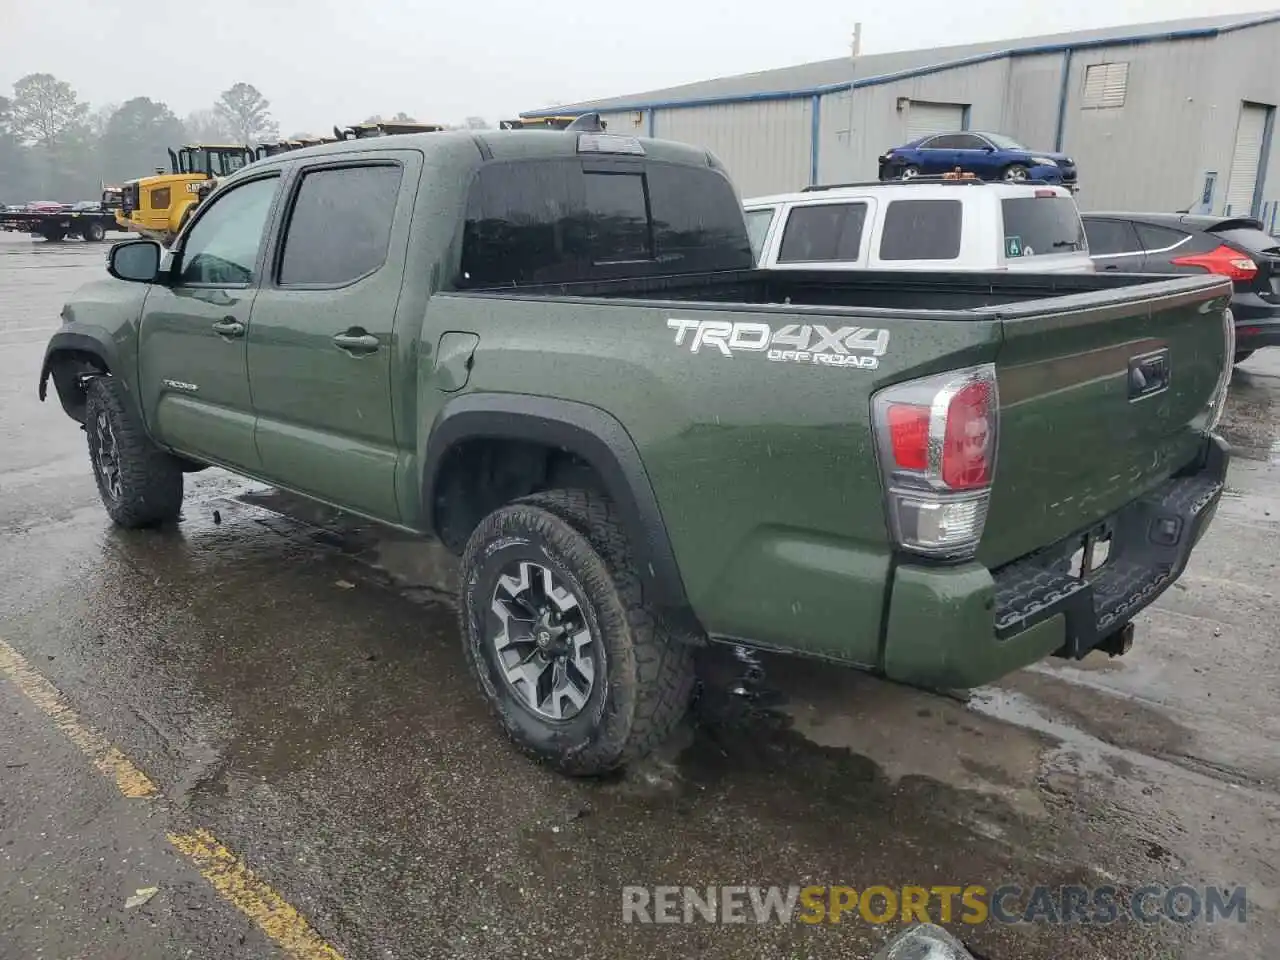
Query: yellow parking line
x=252, y=897
x=133, y=783
x=229, y=876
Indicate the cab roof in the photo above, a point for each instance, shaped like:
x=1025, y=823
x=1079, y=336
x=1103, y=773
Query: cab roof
x=509, y=145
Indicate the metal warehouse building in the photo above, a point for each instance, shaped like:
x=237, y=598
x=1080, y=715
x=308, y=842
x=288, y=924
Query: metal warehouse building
x=1169, y=116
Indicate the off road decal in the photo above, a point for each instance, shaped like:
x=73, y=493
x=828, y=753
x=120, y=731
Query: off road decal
x=859, y=347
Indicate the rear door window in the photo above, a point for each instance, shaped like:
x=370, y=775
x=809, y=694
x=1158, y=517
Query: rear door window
x=1109, y=238
x=822, y=233
x=340, y=225
x=1039, y=226
x=921, y=230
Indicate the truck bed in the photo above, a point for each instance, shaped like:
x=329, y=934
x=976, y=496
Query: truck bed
x=926, y=295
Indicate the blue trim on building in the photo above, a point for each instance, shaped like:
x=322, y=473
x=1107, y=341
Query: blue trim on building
x=815, y=132
x=653, y=123
x=1064, y=94
x=1200, y=33
x=1264, y=159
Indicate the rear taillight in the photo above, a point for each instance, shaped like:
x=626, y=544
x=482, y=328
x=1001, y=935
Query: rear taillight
x=1223, y=261
x=936, y=440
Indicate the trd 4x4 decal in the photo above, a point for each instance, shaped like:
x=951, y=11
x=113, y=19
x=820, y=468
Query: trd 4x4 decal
x=859, y=347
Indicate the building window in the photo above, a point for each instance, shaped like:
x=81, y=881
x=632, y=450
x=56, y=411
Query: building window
x=1105, y=85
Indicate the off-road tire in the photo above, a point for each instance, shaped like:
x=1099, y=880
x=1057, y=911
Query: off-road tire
x=645, y=687
x=150, y=480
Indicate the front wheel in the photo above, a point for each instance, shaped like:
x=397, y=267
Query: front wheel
x=579, y=670
x=910, y=172
x=140, y=484
x=1016, y=173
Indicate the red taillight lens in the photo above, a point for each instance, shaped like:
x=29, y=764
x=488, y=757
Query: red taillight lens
x=936, y=493
x=1224, y=261
x=909, y=435
x=966, y=448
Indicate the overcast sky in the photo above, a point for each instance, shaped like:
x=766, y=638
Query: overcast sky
x=322, y=62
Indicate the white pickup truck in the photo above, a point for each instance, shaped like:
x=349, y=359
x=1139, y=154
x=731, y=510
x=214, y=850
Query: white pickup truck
x=946, y=224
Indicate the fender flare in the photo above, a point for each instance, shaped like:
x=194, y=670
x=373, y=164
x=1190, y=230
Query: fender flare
x=594, y=436
x=80, y=342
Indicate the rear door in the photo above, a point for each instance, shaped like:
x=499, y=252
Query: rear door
x=1080, y=434
x=322, y=340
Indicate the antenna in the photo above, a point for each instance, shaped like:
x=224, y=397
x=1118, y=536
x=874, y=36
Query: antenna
x=856, y=46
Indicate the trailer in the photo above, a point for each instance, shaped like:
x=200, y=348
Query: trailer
x=57, y=225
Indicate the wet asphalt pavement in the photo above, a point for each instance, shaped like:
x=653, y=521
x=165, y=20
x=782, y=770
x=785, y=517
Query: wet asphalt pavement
x=292, y=682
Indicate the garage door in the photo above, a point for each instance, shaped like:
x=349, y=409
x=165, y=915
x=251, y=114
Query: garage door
x=1246, y=158
x=925, y=118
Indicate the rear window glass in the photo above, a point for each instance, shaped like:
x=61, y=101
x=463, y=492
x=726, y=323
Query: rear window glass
x=822, y=233
x=562, y=220
x=758, y=227
x=1109, y=237
x=921, y=230
x=1255, y=241
x=1036, y=226
x=1159, y=238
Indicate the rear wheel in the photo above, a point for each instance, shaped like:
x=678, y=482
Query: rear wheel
x=140, y=484
x=1243, y=355
x=577, y=667
x=54, y=235
x=93, y=231
x=1016, y=173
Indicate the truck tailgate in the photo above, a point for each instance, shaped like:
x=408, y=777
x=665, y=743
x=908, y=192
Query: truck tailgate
x=1101, y=401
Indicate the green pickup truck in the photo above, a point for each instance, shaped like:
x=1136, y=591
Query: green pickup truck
x=551, y=350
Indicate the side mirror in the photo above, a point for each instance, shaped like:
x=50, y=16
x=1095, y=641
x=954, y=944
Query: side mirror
x=989, y=148
x=137, y=261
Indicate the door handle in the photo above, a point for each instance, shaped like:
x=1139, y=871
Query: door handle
x=228, y=327
x=357, y=342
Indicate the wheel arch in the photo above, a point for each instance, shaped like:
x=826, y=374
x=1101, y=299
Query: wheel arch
x=587, y=433
x=68, y=358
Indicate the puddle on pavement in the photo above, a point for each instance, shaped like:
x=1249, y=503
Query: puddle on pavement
x=1251, y=421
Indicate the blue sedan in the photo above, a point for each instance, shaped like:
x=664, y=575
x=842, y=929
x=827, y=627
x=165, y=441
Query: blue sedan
x=990, y=156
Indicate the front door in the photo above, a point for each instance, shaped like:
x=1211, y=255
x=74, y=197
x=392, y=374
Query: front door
x=322, y=350
x=192, y=360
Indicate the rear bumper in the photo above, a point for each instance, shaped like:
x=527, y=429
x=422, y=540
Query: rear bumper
x=963, y=626
x=1257, y=321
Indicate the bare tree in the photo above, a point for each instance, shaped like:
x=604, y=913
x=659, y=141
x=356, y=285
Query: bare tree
x=476, y=123
x=247, y=113
x=45, y=109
